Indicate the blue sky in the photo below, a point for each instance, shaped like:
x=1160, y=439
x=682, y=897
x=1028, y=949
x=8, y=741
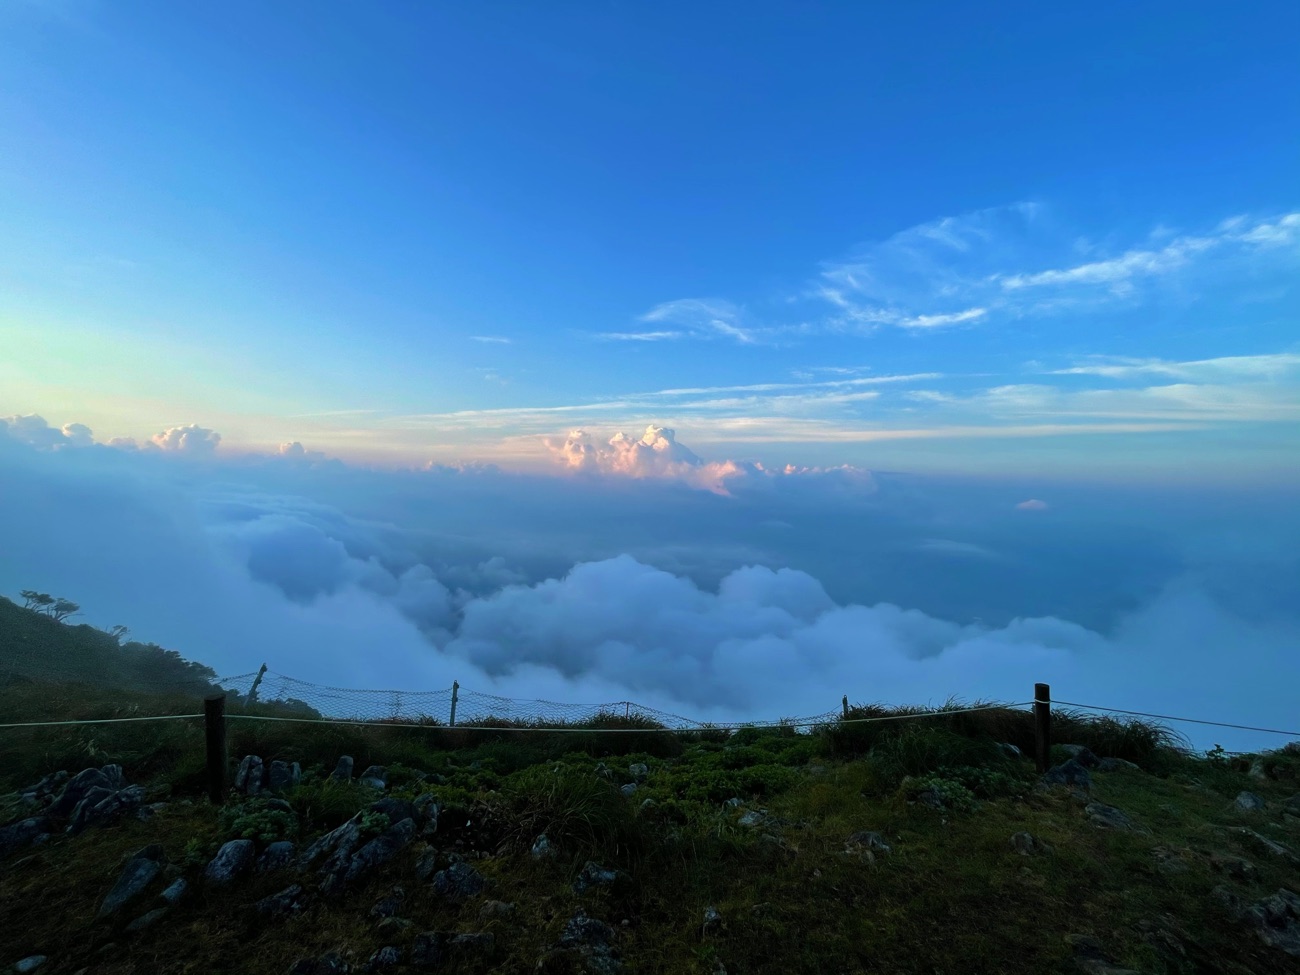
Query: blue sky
x=264, y=219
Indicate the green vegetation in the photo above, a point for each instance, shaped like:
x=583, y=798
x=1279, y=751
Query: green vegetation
x=951, y=897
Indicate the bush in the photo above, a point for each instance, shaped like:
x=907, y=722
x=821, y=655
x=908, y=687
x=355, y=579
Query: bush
x=953, y=794
x=921, y=749
x=571, y=806
x=253, y=820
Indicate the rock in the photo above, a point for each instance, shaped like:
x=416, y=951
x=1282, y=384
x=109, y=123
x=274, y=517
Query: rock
x=1026, y=844
x=1233, y=866
x=231, y=860
x=458, y=882
x=429, y=950
x=712, y=919
x=586, y=945
x=542, y=847
x=1275, y=918
x=1257, y=771
x=337, y=842
x=137, y=875
x=1229, y=900
x=1265, y=845
x=147, y=920
x=733, y=803
x=752, y=819
x=1082, y=754
x=867, y=840
x=1110, y=817
x=46, y=787
x=628, y=790
x=146, y=813
x=585, y=931
x=283, y=776
x=378, y=851
x=493, y=909
x=175, y=891
x=1169, y=861
x=1117, y=765
x=931, y=798
x=99, y=808
x=1009, y=750
x=23, y=834
x=384, y=959
x=277, y=856
x=31, y=963
x=603, y=770
x=376, y=776
x=639, y=771
x=427, y=865
x=343, y=770
x=393, y=926
x=288, y=901
x=426, y=810
x=327, y=964
x=395, y=809
x=593, y=875
x=1069, y=772
x=647, y=804
x=389, y=905
x=77, y=788
x=248, y=779
x=1249, y=802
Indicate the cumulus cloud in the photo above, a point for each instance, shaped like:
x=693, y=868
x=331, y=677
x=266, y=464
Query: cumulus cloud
x=33, y=430
x=189, y=439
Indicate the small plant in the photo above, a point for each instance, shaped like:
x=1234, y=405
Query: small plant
x=952, y=793
x=254, y=820
x=1217, y=756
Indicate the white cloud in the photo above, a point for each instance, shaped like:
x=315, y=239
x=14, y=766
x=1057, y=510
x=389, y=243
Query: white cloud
x=33, y=430
x=1033, y=504
x=639, y=336
x=492, y=339
x=700, y=318
x=189, y=439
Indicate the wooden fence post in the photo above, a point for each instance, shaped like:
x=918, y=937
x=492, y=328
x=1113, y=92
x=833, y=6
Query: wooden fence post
x=1042, y=726
x=846, y=707
x=214, y=727
x=627, y=710
x=455, y=689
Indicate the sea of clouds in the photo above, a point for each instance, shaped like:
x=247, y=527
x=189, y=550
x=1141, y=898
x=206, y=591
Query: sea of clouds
x=715, y=589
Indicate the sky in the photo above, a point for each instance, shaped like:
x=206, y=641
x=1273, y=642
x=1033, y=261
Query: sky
x=491, y=332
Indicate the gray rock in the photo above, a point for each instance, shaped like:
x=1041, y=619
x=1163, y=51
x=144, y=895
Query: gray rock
x=376, y=776
x=231, y=860
x=752, y=819
x=647, y=804
x=283, y=776
x=429, y=950
x=77, y=788
x=1249, y=802
x=1070, y=773
x=147, y=920
x=1265, y=845
x=135, y=877
x=493, y=909
x=639, y=771
x=1169, y=861
x=1009, y=750
x=343, y=770
x=427, y=865
x=248, y=779
x=146, y=813
x=46, y=787
x=584, y=931
x=337, y=842
x=1103, y=815
x=735, y=802
x=1026, y=844
x=1276, y=918
x=593, y=875
x=603, y=770
x=395, y=809
x=471, y=945
x=585, y=945
x=628, y=790
x=712, y=919
x=427, y=809
x=869, y=840
x=277, y=856
x=390, y=904
x=1257, y=771
x=29, y=964
x=542, y=847
x=23, y=834
x=175, y=891
x=327, y=964
x=1082, y=754
x=384, y=959
x=378, y=851
x=1117, y=765
x=98, y=809
x=1233, y=866
x=289, y=901
x=458, y=882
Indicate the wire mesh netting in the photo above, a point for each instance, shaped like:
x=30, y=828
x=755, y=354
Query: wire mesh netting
x=471, y=707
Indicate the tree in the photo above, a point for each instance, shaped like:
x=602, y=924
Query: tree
x=62, y=609
x=118, y=632
x=36, y=600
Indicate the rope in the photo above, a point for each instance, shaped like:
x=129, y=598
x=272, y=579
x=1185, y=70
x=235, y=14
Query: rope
x=49, y=724
x=1166, y=717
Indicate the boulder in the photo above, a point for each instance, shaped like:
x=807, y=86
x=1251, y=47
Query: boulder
x=343, y=770
x=628, y=790
x=231, y=860
x=283, y=776
x=712, y=919
x=384, y=959
x=458, y=882
x=131, y=883
x=428, y=950
x=395, y=809
x=866, y=840
x=1108, y=816
x=1082, y=754
x=23, y=834
x=337, y=842
x=1275, y=918
x=1009, y=750
x=46, y=787
x=1249, y=802
x=1070, y=772
x=1169, y=861
x=427, y=865
x=289, y=901
x=175, y=891
x=593, y=875
x=248, y=778
x=376, y=777
x=426, y=811
x=147, y=920
x=586, y=945
x=389, y=904
x=1026, y=844
x=639, y=771
x=378, y=851
x=1265, y=845
x=100, y=807
x=277, y=856
x=76, y=789
x=495, y=909
x=752, y=819
x=1292, y=805
x=1233, y=866
x=1117, y=765
x=542, y=847
x=29, y=964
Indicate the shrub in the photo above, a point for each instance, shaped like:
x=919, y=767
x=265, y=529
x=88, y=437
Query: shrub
x=253, y=820
x=571, y=806
x=920, y=749
x=954, y=795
